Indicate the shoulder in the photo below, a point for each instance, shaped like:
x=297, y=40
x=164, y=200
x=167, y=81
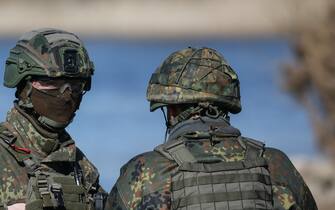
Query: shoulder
x=145, y=177
x=288, y=184
x=275, y=155
x=90, y=172
x=7, y=157
x=13, y=177
x=253, y=143
x=272, y=155
x=83, y=160
x=280, y=166
x=149, y=163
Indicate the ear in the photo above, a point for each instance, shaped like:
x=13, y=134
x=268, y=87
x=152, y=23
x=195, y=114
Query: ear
x=171, y=111
x=23, y=90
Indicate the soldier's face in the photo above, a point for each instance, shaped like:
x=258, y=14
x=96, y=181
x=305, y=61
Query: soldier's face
x=57, y=99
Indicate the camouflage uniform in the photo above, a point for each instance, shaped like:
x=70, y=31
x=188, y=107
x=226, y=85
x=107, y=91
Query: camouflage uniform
x=157, y=179
x=42, y=167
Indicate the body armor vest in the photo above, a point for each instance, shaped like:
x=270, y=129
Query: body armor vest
x=205, y=184
x=56, y=191
x=49, y=189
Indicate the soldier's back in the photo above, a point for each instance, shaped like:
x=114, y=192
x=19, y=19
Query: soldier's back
x=155, y=180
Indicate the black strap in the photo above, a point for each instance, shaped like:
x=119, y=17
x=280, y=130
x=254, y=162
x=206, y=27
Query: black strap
x=99, y=200
x=221, y=197
x=222, y=166
x=177, y=151
x=254, y=148
x=220, y=179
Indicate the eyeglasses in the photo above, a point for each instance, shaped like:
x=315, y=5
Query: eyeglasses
x=59, y=86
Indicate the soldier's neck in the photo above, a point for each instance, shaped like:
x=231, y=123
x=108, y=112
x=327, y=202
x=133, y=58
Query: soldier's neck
x=39, y=138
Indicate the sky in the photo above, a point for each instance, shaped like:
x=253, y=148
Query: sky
x=114, y=122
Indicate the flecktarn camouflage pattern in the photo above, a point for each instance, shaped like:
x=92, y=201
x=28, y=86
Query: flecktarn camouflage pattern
x=40, y=164
x=192, y=76
x=21, y=143
x=50, y=53
x=206, y=163
x=150, y=180
x=211, y=183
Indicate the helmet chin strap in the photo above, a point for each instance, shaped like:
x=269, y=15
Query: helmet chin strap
x=28, y=105
x=51, y=124
x=167, y=129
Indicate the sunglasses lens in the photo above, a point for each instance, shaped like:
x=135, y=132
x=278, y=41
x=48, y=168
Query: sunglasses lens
x=60, y=86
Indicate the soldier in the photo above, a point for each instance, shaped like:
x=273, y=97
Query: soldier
x=41, y=168
x=205, y=163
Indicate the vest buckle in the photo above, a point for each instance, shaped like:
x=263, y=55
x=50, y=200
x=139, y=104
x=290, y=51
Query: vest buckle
x=57, y=192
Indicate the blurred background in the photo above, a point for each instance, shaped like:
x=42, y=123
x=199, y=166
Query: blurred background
x=283, y=51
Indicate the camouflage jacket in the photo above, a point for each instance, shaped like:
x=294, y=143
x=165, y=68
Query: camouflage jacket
x=145, y=181
x=56, y=149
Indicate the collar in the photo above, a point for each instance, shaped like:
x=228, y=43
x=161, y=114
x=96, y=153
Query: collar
x=203, y=126
x=34, y=136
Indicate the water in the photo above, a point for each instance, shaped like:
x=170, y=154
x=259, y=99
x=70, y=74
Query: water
x=114, y=122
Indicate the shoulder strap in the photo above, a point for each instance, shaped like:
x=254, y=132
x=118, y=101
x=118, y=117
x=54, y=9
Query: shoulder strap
x=254, y=151
x=254, y=148
x=91, y=182
x=176, y=150
x=8, y=137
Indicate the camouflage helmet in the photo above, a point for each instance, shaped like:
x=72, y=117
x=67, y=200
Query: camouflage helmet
x=195, y=76
x=48, y=52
